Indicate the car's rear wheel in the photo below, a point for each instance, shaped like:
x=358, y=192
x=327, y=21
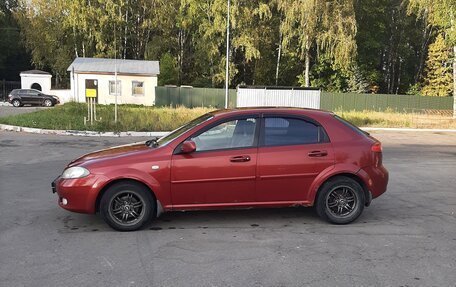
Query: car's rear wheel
x=16, y=103
x=340, y=200
x=127, y=206
x=47, y=103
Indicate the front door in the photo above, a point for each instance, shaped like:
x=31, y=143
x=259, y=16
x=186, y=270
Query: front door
x=222, y=169
x=292, y=152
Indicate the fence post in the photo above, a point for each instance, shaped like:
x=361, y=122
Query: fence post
x=4, y=90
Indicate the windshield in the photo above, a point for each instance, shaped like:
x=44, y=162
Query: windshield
x=179, y=131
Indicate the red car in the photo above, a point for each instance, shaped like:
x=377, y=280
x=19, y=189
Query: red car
x=241, y=158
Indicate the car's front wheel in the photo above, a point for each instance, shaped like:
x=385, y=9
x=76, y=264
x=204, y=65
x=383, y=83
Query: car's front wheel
x=127, y=206
x=340, y=200
x=47, y=103
x=16, y=103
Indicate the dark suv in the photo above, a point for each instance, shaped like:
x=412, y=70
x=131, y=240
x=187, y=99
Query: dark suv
x=20, y=97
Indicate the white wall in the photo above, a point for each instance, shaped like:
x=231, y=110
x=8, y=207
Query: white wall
x=126, y=97
x=27, y=80
x=64, y=96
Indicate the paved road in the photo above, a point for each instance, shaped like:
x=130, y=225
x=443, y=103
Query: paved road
x=10, y=110
x=407, y=237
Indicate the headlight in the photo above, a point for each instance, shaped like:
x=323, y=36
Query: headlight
x=75, y=172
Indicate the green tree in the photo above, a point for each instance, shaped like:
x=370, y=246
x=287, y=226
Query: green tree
x=440, y=13
x=13, y=56
x=438, y=81
x=329, y=26
x=168, y=70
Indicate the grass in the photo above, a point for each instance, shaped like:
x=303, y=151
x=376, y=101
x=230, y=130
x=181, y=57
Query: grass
x=70, y=116
x=138, y=118
x=390, y=119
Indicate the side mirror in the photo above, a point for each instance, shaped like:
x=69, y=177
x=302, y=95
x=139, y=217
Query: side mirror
x=188, y=147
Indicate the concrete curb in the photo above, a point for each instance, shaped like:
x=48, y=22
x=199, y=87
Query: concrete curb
x=159, y=134
x=81, y=133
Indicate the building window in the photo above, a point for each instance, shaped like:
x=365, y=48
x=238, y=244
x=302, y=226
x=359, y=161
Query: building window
x=112, y=88
x=137, y=88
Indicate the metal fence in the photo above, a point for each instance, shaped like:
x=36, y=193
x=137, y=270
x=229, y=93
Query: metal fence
x=382, y=102
x=6, y=87
x=211, y=97
x=257, y=96
x=193, y=97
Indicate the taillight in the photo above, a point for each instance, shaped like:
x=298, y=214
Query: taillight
x=377, y=153
x=377, y=147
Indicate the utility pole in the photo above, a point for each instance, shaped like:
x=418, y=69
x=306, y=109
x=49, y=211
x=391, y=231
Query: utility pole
x=115, y=75
x=227, y=54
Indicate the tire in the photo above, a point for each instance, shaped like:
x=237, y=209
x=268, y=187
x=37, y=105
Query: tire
x=127, y=206
x=47, y=103
x=340, y=200
x=16, y=103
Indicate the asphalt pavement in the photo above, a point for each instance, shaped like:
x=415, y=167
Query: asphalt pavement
x=407, y=237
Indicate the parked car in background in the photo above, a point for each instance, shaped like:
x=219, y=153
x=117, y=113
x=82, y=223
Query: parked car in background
x=20, y=97
x=241, y=158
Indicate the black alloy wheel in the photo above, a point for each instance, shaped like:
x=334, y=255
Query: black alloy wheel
x=127, y=206
x=340, y=200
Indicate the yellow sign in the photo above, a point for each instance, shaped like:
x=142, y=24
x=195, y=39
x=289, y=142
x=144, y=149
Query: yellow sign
x=91, y=93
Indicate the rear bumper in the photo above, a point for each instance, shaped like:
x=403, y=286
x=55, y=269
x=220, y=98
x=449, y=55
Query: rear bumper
x=77, y=195
x=375, y=178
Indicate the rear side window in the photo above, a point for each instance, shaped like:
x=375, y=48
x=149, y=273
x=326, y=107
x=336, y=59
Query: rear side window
x=291, y=131
x=351, y=126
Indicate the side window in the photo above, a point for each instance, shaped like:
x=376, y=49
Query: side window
x=290, y=131
x=112, y=88
x=137, y=88
x=232, y=134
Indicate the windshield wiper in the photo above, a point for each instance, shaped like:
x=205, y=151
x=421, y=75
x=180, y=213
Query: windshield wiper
x=152, y=142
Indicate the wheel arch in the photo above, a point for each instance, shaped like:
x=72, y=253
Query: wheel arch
x=125, y=179
x=352, y=175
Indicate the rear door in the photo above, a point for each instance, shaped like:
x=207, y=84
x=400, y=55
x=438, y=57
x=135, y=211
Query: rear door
x=25, y=96
x=292, y=152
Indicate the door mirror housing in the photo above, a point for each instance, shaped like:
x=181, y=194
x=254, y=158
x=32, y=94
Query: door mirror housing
x=188, y=146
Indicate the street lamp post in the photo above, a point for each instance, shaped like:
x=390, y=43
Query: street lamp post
x=227, y=54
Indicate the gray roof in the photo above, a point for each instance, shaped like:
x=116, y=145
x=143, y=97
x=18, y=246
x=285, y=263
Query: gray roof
x=99, y=65
x=35, y=72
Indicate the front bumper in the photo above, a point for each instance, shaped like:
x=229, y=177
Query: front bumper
x=77, y=195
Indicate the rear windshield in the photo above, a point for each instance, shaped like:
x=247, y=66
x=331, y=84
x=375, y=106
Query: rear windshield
x=351, y=126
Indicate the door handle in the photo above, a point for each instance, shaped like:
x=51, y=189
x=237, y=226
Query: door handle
x=317, y=153
x=240, y=158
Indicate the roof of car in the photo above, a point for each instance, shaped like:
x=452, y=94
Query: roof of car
x=285, y=110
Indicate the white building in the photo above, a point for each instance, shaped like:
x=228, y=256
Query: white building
x=95, y=77
x=36, y=79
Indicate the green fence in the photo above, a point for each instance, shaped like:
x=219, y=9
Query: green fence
x=211, y=97
x=193, y=97
x=381, y=102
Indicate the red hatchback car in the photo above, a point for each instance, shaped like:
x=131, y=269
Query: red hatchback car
x=241, y=158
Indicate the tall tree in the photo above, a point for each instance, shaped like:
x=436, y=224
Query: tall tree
x=441, y=13
x=438, y=81
x=13, y=56
x=329, y=26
